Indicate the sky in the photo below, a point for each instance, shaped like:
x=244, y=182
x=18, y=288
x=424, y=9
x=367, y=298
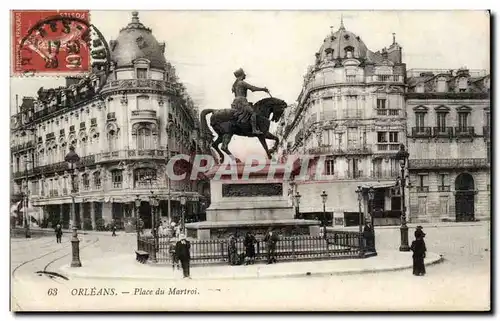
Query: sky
x=276, y=47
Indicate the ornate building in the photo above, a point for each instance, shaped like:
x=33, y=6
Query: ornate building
x=351, y=112
x=449, y=144
x=124, y=137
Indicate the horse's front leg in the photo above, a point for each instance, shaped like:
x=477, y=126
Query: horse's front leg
x=263, y=142
x=276, y=142
x=225, y=144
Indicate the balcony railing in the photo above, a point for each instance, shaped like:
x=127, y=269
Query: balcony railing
x=448, y=163
x=388, y=147
x=422, y=189
x=421, y=131
x=385, y=174
x=327, y=115
x=129, y=154
x=444, y=188
x=350, y=150
x=443, y=132
x=25, y=145
x=387, y=112
x=53, y=192
x=464, y=131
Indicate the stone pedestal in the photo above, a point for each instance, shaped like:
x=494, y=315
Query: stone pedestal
x=255, y=202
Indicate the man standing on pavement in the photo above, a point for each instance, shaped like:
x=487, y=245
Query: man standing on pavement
x=182, y=251
x=271, y=239
x=59, y=233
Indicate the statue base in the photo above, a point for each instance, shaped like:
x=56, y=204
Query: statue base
x=254, y=203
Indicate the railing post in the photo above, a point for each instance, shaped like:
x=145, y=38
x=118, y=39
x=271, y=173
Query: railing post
x=361, y=245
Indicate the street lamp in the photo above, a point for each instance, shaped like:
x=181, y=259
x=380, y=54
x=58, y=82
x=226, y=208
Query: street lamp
x=324, y=196
x=402, y=156
x=359, y=191
x=371, y=197
x=137, y=205
x=72, y=158
x=183, y=212
x=297, y=197
x=154, y=203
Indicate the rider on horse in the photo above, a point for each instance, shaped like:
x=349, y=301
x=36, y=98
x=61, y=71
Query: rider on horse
x=240, y=102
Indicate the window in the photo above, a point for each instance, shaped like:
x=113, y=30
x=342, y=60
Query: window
x=142, y=73
x=441, y=85
x=395, y=167
x=144, y=138
x=341, y=143
x=352, y=139
x=353, y=171
x=462, y=85
x=326, y=139
x=393, y=137
x=420, y=121
x=441, y=122
x=97, y=179
x=112, y=140
x=381, y=103
x=381, y=137
x=86, y=181
x=116, y=178
x=377, y=168
x=463, y=120
x=144, y=177
x=329, y=166
x=487, y=119
x=422, y=183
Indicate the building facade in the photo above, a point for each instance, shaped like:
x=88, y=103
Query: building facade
x=124, y=136
x=449, y=144
x=350, y=115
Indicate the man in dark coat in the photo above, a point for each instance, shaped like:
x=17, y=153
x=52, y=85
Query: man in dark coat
x=182, y=251
x=59, y=233
x=271, y=240
x=249, y=244
x=419, y=249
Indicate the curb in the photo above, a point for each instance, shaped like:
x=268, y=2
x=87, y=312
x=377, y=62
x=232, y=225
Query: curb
x=65, y=270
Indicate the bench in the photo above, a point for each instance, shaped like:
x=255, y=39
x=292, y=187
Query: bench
x=141, y=256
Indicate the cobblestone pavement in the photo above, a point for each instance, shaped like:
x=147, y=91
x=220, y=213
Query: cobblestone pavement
x=460, y=283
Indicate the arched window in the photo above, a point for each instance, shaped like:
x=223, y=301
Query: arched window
x=144, y=177
x=349, y=51
x=144, y=138
x=97, y=179
x=83, y=145
x=86, y=181
x=112, y=138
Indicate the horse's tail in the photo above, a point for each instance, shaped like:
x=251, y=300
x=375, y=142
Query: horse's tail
x=205, y=130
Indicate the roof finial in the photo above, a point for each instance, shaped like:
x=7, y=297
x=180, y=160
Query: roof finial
x=342, y=22
x=393, y=38
x=331, y=30
x=135, y=16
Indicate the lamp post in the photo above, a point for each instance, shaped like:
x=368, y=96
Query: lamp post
x=72, y=158
x=359, y=191
x=297, y=197
x=324, y=197
x=371, y=197
x=137, y=230
x=402, y=156
x=154, y=203
x=183, y=213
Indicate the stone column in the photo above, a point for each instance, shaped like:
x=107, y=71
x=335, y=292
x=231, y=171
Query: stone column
x=92, y=215
x=61, y=213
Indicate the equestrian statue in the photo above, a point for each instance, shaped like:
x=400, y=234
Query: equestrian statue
x=244, y=118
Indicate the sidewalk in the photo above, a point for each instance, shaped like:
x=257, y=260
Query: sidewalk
x=414, y=225
x=125, y=267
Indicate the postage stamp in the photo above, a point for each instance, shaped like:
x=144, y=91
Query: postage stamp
x=51, y=42
x=267, y=161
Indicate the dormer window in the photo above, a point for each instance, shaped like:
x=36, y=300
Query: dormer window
x=462, y=85
x=441, y=85
x=142, y=73
x=349, y=51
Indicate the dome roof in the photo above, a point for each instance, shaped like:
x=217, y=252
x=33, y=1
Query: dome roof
x=137, y=41
x=337, y=43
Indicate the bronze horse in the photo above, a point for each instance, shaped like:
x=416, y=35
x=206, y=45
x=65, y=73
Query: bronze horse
x=224, y=123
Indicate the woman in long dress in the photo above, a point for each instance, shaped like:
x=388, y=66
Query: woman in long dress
x=419, y=249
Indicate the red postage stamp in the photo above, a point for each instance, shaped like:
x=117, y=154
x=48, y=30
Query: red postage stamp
x=51, y=41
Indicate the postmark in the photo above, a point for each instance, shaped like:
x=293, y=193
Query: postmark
x=57, y=43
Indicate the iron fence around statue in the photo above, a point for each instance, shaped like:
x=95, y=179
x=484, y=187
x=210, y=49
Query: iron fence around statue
x=336, y=245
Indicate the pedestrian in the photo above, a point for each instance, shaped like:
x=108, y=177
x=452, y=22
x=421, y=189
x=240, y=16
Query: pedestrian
x=182, y=251
x=113, y=228
x=173, y=256
x=368, y=236
x=418, y=248
x=232, y=251
x=249, y=244
x=271, y=240
x=59, y=233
